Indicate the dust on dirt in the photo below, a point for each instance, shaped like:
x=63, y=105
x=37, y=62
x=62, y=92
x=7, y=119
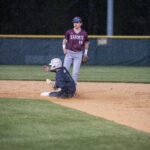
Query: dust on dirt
x=124, y=103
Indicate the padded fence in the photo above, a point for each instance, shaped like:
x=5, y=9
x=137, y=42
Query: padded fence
x=102, y=51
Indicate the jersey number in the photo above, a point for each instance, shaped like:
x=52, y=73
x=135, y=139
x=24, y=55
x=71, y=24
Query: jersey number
x=80, y=42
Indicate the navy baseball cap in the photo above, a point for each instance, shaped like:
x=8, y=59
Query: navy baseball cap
x=77, y=20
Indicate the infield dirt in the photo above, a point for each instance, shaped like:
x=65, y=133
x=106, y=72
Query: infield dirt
x=124, y=103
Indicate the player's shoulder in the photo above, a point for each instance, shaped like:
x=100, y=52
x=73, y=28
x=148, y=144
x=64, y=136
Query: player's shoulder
x=84, y=31
x=69, y=31
x=60, y=73
x=64, y=70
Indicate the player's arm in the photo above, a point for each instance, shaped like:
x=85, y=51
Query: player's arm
x=86, y=45
x=64, y=43
x=86, y=48
x=85, y=55
x=64, y=46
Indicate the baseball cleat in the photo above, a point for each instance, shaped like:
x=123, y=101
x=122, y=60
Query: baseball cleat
x=45, y=94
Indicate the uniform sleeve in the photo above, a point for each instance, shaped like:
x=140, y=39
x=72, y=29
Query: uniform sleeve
x=63, y=78
x=61, y=84
x=86, y=37
x=60, y=80
x=67, y=35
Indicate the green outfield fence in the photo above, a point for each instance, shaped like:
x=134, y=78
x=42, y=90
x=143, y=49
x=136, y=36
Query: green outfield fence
x=103, y=50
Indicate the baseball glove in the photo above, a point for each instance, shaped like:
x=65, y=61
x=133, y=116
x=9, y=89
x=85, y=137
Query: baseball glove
x=84, y=59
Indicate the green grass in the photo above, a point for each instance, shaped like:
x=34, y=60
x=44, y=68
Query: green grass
x=115, y=74
x=87, y=73
x=41, y=125
x=23, y=73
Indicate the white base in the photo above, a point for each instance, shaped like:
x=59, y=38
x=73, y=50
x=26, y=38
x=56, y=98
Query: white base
x=45, y=94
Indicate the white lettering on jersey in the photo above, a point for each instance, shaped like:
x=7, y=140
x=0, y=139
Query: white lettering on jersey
x=76, y=37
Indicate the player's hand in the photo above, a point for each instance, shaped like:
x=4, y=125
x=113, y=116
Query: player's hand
x=52, y=84
x=46, y=68
x=84, y=59
x=85, y=55
x=65, y=51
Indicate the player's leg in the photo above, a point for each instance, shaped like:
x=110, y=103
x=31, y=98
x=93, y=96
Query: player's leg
x=76, y=65
x=55, y=94
x=67, y=95
x=68, y=60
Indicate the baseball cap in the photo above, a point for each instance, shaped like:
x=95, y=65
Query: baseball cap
x=77, y=20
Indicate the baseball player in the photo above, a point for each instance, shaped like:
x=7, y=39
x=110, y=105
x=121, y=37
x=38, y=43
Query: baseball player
x=63, y=80
x=74, y=43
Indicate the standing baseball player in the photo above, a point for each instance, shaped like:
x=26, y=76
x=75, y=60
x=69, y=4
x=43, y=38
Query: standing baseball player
x=63, y=80
x=74, y=43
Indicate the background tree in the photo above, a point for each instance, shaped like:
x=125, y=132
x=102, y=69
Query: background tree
x=131, y=17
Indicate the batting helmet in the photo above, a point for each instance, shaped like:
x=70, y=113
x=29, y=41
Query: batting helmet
x=55, y=64
x=77, y=20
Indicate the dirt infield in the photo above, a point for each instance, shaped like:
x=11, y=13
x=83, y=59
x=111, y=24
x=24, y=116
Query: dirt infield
x=127, y=104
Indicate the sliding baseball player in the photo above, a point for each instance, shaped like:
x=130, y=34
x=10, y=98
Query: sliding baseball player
x=63, y=80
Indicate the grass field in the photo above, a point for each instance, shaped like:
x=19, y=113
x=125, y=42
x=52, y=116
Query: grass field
x=35, y=124
x=87, y=73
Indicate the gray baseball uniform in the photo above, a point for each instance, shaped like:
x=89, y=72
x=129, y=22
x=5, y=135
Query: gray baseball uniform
x=75, y=46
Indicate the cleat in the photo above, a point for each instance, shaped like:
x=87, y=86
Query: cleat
x=45, y=94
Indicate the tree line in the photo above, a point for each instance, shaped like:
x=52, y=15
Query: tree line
x=54, y=17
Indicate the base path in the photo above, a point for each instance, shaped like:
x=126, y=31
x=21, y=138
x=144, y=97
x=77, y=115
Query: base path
x=124, y=103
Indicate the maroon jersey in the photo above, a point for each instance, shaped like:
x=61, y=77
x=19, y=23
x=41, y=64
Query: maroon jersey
x=76, y=41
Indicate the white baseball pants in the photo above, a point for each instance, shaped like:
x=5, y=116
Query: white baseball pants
x=75, y=59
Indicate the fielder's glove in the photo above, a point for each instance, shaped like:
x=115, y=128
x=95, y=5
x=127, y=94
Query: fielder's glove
x=84, y=59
